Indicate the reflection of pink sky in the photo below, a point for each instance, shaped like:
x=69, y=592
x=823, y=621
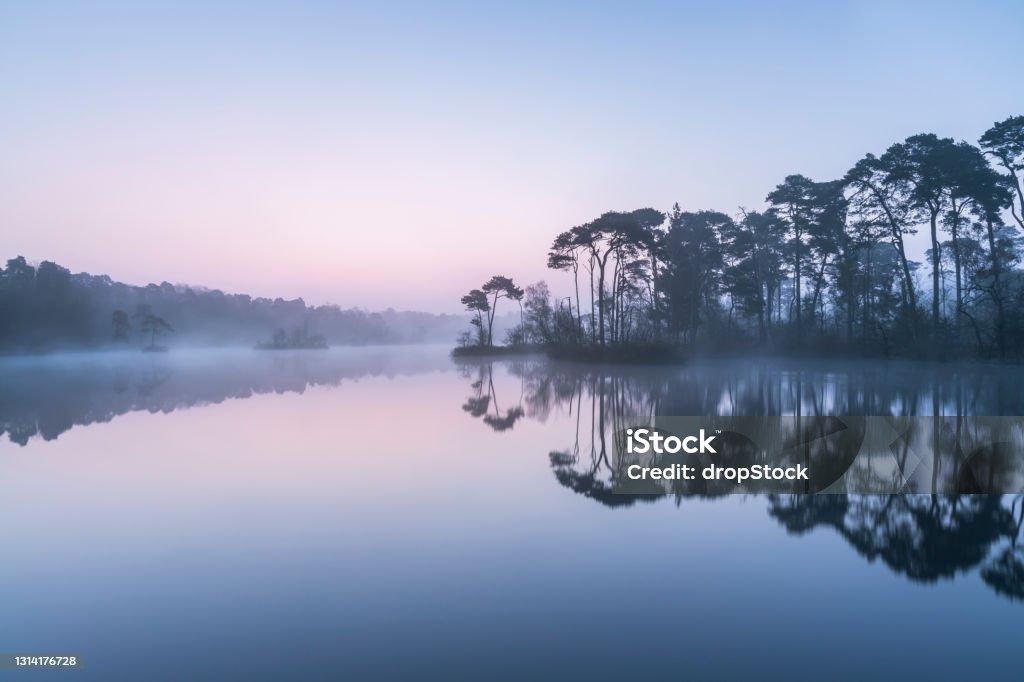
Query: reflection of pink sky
x=343, y=440
x=336, y=450
x=341, y=490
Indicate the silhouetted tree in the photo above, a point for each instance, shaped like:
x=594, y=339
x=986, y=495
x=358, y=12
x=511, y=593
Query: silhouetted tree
x=924, y=166
x=565, y=255
x=122, y=327
x=476, y=302
x=496, y=288
x=693, y=256
x=810, y=210
x=1004, y=142
x=880, y=199
x=152, y=324
x=538, y=324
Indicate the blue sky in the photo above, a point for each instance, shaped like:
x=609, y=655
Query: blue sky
x=396, y=154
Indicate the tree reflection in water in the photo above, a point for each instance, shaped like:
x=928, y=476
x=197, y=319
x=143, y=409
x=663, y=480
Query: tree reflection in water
x=43, y=397
x=485, y=397
x=926, y=537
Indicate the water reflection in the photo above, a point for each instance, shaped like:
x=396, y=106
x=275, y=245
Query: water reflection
x=924, y=537
x=483, y=403
x=45, y=396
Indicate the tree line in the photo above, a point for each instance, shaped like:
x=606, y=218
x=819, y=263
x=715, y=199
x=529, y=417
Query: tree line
x=823, y=266
x=46, y=307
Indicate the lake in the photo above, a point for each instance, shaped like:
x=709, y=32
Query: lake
x=389, y=513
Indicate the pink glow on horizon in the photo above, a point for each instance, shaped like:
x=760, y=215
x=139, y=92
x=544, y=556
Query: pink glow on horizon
x=382, y=158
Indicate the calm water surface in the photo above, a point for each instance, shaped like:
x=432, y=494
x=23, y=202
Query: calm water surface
x=390, y=514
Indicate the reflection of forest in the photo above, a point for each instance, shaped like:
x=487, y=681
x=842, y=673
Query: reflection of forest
x=925, y=537
x=46, y=396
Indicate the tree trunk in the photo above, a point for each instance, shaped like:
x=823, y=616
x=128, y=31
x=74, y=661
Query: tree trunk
x=935, y=272
x=897, y=239
x=817, y=285
x=957, y=267
x=997, y=291
x=615, y=300
x=491, y=314
x=655, y=305
x=593, y=327
x=522, y=327
x=579, y=311
x=799, y=303
x=601, y=262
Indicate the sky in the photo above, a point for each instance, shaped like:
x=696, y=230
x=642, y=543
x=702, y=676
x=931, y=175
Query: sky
x=386, y=154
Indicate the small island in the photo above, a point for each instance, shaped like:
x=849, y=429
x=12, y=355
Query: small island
x=299, y=339
x=545, y=329
x=150, y=324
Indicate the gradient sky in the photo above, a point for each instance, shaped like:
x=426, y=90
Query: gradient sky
x=391, y=154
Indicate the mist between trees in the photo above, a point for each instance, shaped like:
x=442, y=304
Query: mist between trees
x=48, y=308
x=823, y=269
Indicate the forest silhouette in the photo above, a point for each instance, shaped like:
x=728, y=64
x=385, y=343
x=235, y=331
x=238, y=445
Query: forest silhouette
x=824, y=268
x=46, y=307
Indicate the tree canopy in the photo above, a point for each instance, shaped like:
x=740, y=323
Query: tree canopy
x=824, y=265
